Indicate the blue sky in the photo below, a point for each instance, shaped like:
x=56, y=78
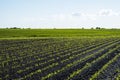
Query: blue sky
x=59, y=13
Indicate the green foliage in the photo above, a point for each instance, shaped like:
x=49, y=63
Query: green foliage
x=58, y=58
x=26, y=33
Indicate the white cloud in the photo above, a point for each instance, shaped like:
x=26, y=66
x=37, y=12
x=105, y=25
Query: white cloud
x=104, y=17
x=108, y=12
x=78, y=16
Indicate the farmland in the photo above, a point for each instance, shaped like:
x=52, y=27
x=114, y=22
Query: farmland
x=35, y=33
x=79, y=55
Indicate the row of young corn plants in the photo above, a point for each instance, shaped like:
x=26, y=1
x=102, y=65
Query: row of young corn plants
x=29, y=45
x=19, y=56
x=48, y=58
x=26, y=68
x=9, y=62
x=3, y=58
x=62, y=61
x=68, y=67
x=118, y=77
x=27, y=56
x=109, y=71
x=72, y=57
x=91, y=68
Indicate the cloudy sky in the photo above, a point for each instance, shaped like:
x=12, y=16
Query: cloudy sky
x=60, y=13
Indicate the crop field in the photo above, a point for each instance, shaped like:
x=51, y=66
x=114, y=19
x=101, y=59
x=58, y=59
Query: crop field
x=60, y=59
x=59, y=39
x=34, y=33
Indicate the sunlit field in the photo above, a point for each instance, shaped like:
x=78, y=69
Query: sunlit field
x=75, y=33
x=59, y=54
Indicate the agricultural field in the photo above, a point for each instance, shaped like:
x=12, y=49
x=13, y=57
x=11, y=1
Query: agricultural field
x=59, y=54
x=59, y=40
x=60, y=59
x=36, y=33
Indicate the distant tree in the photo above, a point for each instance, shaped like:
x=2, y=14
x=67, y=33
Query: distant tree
x=92, y=28
x=98, y=28
x=82, y=27
x=14, y=28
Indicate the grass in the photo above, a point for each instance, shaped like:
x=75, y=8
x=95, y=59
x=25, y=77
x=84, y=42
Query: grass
x=41, y=33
